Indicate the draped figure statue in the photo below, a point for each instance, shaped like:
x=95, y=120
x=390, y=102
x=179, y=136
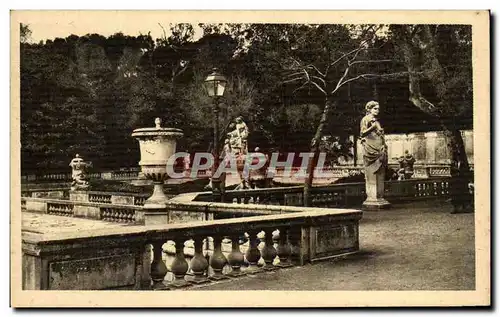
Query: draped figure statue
x=374, y=157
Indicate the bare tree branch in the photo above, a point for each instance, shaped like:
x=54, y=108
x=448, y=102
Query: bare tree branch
x=292, y=80
x=316, y=69
x=339, y=83
x=307, y=75
x=320, y=79
x=342, y=57
x=371, y=61
x=164, y=32
x=295, y=74
x=297, y=89
x=369, y=76
x=320, y=89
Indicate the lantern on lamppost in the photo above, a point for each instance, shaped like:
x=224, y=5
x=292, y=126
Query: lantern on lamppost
x=215, y=84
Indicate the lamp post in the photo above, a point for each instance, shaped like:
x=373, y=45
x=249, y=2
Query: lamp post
x=215, y=85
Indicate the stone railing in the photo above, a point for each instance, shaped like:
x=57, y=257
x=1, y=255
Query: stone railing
x=328, y=173
x=124, y=174
x=55, y=192
x=336, y=195
x=79, y=209
x=113, y=212
x=120, y=198
x=133, y=199
x=61, y=257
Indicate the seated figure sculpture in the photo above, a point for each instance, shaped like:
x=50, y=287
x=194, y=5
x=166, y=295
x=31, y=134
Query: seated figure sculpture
x=79, y=173
x=406, y=163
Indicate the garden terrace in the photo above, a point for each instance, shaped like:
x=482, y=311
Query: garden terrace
x=80, y=254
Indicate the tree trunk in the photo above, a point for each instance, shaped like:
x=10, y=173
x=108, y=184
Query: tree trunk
x=461, y=199
x=315, y=143
x=456, y=148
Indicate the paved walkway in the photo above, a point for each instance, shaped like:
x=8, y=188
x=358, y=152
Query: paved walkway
x=417, y=246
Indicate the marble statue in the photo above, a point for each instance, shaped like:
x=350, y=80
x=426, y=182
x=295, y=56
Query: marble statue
x=242, y=130
x=406, y=163
x=234, y=140
x=374, y=157
x=79, y=173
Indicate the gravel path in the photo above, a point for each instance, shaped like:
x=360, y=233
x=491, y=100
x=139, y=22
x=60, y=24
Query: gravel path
x=415, y=246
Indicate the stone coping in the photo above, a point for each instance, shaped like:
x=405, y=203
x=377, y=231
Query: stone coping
x=195, y=206
x=74, y=232
x=52, y=189
x=300, y=188
x=95, y=192
x=81, y=203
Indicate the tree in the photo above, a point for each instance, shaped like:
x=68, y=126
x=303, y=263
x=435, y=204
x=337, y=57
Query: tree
x=439, y=63
x=334, y=58
x=25, y=33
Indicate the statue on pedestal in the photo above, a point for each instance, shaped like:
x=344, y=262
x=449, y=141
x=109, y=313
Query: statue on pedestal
x=374, y=157
x=79, y=173
x=242, y=130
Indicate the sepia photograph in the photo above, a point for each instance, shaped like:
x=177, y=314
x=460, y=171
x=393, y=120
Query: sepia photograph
x=250, y=159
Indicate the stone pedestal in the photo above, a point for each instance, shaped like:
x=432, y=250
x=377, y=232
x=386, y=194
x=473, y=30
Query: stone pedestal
x=141, y=180
x=375, y=191
x=154, y=217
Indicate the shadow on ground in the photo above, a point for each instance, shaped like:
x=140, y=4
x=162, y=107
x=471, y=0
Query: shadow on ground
x=414, y=246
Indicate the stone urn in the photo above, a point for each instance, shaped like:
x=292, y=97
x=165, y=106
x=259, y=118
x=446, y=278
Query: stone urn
x=157, y=145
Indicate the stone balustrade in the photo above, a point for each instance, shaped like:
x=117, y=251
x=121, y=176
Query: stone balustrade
x=335, y=195
x=56, y=192
x=198, y=206
x=113, y=212
x=331, y=172
x=60, y=253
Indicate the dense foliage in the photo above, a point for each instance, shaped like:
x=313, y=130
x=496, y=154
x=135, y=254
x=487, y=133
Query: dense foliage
x=87, y=94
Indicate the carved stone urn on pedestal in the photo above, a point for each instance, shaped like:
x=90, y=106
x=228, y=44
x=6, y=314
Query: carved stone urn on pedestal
x=157, y=145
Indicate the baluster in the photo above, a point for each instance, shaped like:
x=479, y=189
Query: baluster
x=295, y=237
x=158, y=267
x=253, y=254
x=218, y=260
x=199, y=264
x=284, y=250
x=179, y=265
x=236, y=257
x=269, y=252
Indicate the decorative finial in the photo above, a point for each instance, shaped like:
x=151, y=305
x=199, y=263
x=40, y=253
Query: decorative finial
x=158, y=122
x=78, y=155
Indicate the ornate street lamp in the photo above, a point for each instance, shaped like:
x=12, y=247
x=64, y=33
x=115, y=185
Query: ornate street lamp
x=215, y=85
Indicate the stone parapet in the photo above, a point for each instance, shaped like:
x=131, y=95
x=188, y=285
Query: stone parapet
x=68, y=254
